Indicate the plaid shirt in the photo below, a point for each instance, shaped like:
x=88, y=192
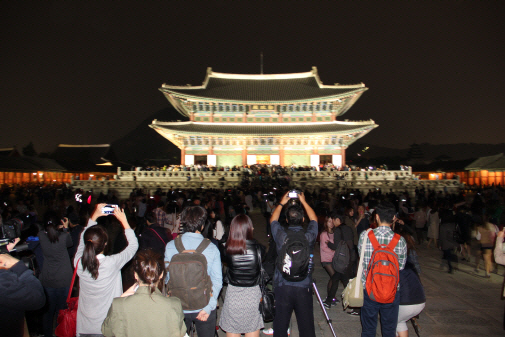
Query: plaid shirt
x=384, y=235
x=161, y=217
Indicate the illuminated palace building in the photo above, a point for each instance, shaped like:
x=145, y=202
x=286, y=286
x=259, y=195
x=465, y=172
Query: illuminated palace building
x=277, y=119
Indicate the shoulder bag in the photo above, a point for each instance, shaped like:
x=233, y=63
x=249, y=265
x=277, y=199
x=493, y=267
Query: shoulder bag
x=353, y=294
x=267, y=301
x=67, y=318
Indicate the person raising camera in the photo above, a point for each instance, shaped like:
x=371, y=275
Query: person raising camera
x=100, y=275
x=292, y=279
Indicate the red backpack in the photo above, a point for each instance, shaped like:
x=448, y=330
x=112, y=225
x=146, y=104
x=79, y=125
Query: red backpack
x=383, y=271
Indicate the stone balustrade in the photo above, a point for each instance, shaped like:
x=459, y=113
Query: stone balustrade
x=398, y=181
x=177, y=176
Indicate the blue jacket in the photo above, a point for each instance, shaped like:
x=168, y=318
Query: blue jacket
x=211, y=253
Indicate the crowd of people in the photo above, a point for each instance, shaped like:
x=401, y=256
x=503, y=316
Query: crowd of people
x=155, y=244
x=262, y=168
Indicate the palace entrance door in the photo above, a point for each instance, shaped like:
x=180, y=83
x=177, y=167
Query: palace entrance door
x=263, y=159
x=200, y=160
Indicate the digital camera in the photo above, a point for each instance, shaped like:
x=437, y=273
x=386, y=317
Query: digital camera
x=293, y=194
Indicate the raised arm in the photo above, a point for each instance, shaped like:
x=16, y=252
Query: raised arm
x=91, y=222
x=277, y=211
x=310, y=212
x=126, y=255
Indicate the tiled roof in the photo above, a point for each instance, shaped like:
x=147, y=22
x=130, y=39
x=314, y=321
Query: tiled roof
x=84, y=158
x=490, y=163
x=263, y=129
x=29, y=164
x=264, y=88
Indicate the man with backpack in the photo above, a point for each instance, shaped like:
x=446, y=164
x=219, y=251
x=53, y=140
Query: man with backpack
x=194, y=272
x=292, y=278
x=385, y=255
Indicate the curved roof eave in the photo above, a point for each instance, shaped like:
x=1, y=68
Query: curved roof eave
x=357, y=91
x=165, y=127
x=212, y=74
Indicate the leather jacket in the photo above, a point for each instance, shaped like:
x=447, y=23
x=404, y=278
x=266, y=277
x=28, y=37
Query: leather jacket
x=244, y=270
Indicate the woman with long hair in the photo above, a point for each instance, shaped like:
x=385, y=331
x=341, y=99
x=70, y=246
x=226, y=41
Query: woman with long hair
x=341, y=233
x=351, y=223
x=216, y=225
x=142, y=310
x=56, y=272
x=99, y=275
x=240, y=313
x=326, y=252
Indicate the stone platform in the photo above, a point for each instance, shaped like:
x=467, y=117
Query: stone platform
x=150, y=181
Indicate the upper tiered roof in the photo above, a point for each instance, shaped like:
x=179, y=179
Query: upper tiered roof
x=263, y=88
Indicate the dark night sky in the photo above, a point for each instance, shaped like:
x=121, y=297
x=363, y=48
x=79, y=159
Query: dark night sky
x=89, y=73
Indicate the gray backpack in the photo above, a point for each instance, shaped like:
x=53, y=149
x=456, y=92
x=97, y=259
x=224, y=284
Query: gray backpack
x=189, y=280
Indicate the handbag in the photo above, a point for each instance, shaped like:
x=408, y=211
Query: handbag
x=67, y=318
x=267, y=301
x=353, y=293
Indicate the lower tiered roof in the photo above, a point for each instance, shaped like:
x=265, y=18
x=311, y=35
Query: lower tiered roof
x=262, y=129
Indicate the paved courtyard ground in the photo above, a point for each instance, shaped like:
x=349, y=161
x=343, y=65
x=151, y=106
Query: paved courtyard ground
x=460, y=304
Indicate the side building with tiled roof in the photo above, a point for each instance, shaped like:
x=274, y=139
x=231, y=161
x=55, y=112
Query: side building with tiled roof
x=286, y=119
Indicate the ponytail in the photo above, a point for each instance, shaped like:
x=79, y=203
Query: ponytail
x=149, y=267
x=51, y=231
x=95, y=240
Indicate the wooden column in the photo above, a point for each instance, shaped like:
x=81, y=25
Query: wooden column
x=281, y=155
x=183, y=156
x=244, y=156
x=192, y=116
x=342, y=151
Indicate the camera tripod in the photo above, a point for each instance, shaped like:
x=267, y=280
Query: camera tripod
x=328, y=319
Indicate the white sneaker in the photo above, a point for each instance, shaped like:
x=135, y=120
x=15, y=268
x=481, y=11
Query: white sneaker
x=271, y=331
x=268, y=331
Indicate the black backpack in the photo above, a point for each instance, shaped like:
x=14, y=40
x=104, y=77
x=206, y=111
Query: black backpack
x=294, y=256
x=342, y=256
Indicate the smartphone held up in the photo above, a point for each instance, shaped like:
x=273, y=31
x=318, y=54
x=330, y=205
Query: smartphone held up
x=109, y=209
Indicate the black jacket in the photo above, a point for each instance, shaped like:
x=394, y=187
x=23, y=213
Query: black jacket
x=244, y=270
x=411, y=289
x=154, y=237
x=20, y=290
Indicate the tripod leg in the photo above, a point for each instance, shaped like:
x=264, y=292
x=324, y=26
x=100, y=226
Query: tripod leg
x=328, y=319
